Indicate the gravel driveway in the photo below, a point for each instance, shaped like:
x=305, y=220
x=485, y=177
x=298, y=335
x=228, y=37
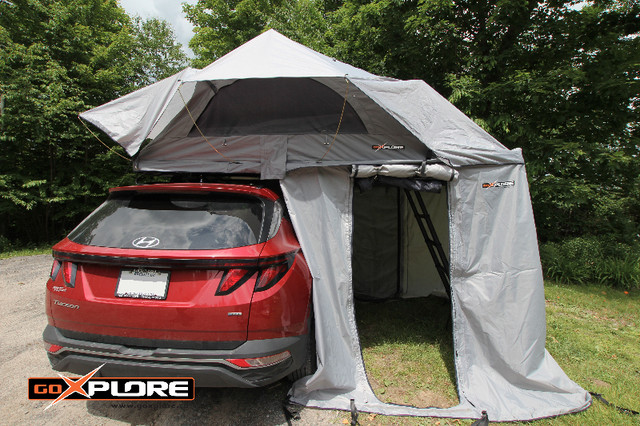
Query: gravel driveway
x=22, y=355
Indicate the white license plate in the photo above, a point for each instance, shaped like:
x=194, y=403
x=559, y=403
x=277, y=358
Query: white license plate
x=143, y=284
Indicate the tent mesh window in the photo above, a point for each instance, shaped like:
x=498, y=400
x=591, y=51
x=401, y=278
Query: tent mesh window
x=275, y=107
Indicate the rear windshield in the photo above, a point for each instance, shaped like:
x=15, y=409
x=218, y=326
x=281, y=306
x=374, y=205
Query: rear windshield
x=174, y=221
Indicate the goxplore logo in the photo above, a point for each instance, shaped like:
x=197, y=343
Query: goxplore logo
x=111, y=388
x=496, y=184
x=386, y=147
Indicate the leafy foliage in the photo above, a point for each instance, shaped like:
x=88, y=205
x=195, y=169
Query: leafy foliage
x=565, y=89
x=560, y=80
x=592, y=260
x=156, y=55
x=223, y=25
x=58, y=58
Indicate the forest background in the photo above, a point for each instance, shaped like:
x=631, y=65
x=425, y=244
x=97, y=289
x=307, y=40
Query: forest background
x=559, y=79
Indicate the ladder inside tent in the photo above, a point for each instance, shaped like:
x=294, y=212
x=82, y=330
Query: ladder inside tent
x=430, y=237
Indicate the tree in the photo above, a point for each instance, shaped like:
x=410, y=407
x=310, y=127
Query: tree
x=402, y=39
x=223, y=25
x=58, y=58
x=562, y=82
x=157, y=55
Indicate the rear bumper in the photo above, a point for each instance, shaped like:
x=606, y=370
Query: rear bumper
x=209, y=368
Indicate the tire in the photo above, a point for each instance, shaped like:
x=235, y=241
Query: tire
x=310, y=363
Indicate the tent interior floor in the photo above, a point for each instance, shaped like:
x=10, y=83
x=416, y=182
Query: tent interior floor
x=407, y=347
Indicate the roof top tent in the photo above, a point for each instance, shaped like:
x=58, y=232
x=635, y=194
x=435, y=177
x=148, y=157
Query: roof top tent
x=277, y=109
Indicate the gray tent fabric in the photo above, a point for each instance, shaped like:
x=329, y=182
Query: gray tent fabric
x=397, y=129
x=319, y=202
x=498, y=300
x=387, y=121
x=128, y=120
x=434, y=171
x=275, y=108
x=451, y=135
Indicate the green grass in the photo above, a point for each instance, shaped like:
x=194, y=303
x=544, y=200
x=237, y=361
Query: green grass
x=593, y=332
x=412, y=335
x=26, y=252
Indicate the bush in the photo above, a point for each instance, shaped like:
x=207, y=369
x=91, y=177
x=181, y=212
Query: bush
x=5, y=244
x=592, y=259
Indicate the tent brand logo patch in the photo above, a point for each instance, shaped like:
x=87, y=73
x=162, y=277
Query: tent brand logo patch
x=504, y=184
x=111, y=388
x=387, y=147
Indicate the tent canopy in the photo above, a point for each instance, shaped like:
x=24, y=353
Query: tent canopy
x=276, y=108
x=302, y=108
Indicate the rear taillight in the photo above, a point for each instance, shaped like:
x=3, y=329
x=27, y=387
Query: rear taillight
x=272, y=270
x=264, y=361
x=55, y=268
x=69, y=270
x=232, y=279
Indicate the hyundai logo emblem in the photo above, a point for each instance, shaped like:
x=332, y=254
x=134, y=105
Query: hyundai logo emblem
x=146, y=242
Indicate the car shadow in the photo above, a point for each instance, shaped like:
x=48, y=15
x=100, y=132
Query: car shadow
x=214, y=406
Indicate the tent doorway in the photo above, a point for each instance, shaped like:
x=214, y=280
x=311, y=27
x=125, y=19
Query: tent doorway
x=406, y=341
x=390, y=256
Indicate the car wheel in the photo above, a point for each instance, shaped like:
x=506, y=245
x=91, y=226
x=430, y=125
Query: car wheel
x=310, y=365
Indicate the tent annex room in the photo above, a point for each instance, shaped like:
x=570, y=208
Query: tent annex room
x=278, y=110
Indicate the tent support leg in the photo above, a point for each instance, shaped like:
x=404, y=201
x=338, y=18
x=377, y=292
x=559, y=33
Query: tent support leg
x=430, y=237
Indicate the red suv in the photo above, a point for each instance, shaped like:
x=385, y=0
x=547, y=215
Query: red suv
x=197, y=280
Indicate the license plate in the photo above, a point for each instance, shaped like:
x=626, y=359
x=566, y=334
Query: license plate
x=143, y=284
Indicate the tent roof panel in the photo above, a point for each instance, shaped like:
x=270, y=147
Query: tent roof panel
x=389, y=109
x=272, y=55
